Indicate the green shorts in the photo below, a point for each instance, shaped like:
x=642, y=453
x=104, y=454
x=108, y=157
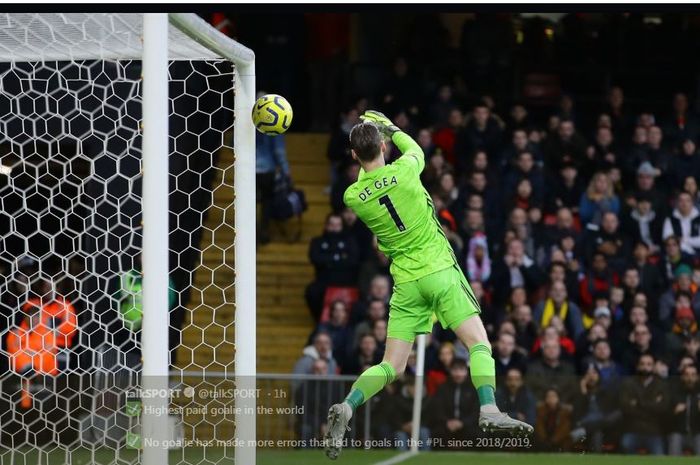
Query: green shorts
x=445, y=293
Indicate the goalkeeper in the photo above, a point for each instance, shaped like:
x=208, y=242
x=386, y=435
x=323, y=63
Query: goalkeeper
x=393, y=203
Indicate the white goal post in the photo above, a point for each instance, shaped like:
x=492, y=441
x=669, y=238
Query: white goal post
x=155, y=363
x=156, y=39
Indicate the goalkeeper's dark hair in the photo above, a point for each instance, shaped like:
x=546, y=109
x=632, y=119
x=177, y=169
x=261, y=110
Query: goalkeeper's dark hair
x=366, y=141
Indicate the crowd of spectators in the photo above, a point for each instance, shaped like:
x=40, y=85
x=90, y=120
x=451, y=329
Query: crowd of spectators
x=582, y=246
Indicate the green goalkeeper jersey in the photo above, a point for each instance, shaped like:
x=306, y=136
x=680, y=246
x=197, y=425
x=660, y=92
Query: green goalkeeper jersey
x=395, y=206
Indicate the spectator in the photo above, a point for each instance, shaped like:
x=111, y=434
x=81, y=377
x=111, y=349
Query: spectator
x=681, y=125
x=375, y=265
x=482, y=133
x=644, y=400
x=562, y=228
x=525, y=168
x=673, y=258
x=608, y=240
x=598, y=199
x=551, y=371
x=685, y=423
x=597, y=280
x=435, y=167
x=553, y=424
x=365, y=356
x=358, y=231
x=441, y=109
x=377, y=310
x=525, y=328
x=312, y=396
x=270, y=161
x=515, y=269
x=506, y=357
x=683, y=284
x=519, y=144
x=640, y=343
x=445, y=137
x=650, y=279
x=619, y=116
x=595, y=407
x=646, y=187
x=399, y=90
x=685, y=162
x=644, y=224
x=684, y=326
x=478, y=261
x=514, y=398
x=564, y=147
x=438, y=375
x=337, y=328
x=379, y=332
x=379, y=289
x=608, y=370
x=560, y=271
x=637, y=315
x=556, y=332
x=335, y=257
x=348, y=173
x=339, y=144
x=402, y=415
x=585, y=342
x=603, y=153
x=690, y=185
x=684, y=223
x=40, y=343
x=558, y=304
x=322, y=348
x=454, y=407
x=567, y=189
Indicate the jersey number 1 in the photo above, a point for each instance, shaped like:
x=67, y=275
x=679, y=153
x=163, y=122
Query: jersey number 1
x=386, y=201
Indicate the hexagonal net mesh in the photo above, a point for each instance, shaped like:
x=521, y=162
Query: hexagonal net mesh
x=70, y=232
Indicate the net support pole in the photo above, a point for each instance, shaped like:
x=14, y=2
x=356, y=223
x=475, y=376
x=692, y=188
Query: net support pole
x=418, y=398
x=244, y=250
x=154, y=336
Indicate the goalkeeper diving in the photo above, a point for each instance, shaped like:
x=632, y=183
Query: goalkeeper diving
x=392, y=202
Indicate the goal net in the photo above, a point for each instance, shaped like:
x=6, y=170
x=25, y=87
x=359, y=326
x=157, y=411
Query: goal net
x=72, y=221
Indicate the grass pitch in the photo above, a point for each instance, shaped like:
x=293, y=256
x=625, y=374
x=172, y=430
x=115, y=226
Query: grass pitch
x=369, y=457
x=219, y=456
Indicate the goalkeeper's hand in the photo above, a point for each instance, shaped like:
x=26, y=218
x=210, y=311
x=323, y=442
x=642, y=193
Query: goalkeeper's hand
x=384, y=124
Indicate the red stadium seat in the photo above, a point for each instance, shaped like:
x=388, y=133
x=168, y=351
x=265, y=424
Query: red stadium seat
x=347, y=294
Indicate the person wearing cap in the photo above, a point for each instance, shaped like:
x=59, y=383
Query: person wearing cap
x=684, y=223
x=684, y=326
x=645, y=184
x=683, y=283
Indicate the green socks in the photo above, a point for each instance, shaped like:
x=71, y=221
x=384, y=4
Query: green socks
x=483, y=373
x=371, y=382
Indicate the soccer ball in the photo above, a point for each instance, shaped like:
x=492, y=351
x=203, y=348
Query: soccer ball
x=272, y=114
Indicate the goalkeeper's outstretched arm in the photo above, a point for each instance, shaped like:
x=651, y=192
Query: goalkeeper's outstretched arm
x=406, y=145
x=409, y=148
